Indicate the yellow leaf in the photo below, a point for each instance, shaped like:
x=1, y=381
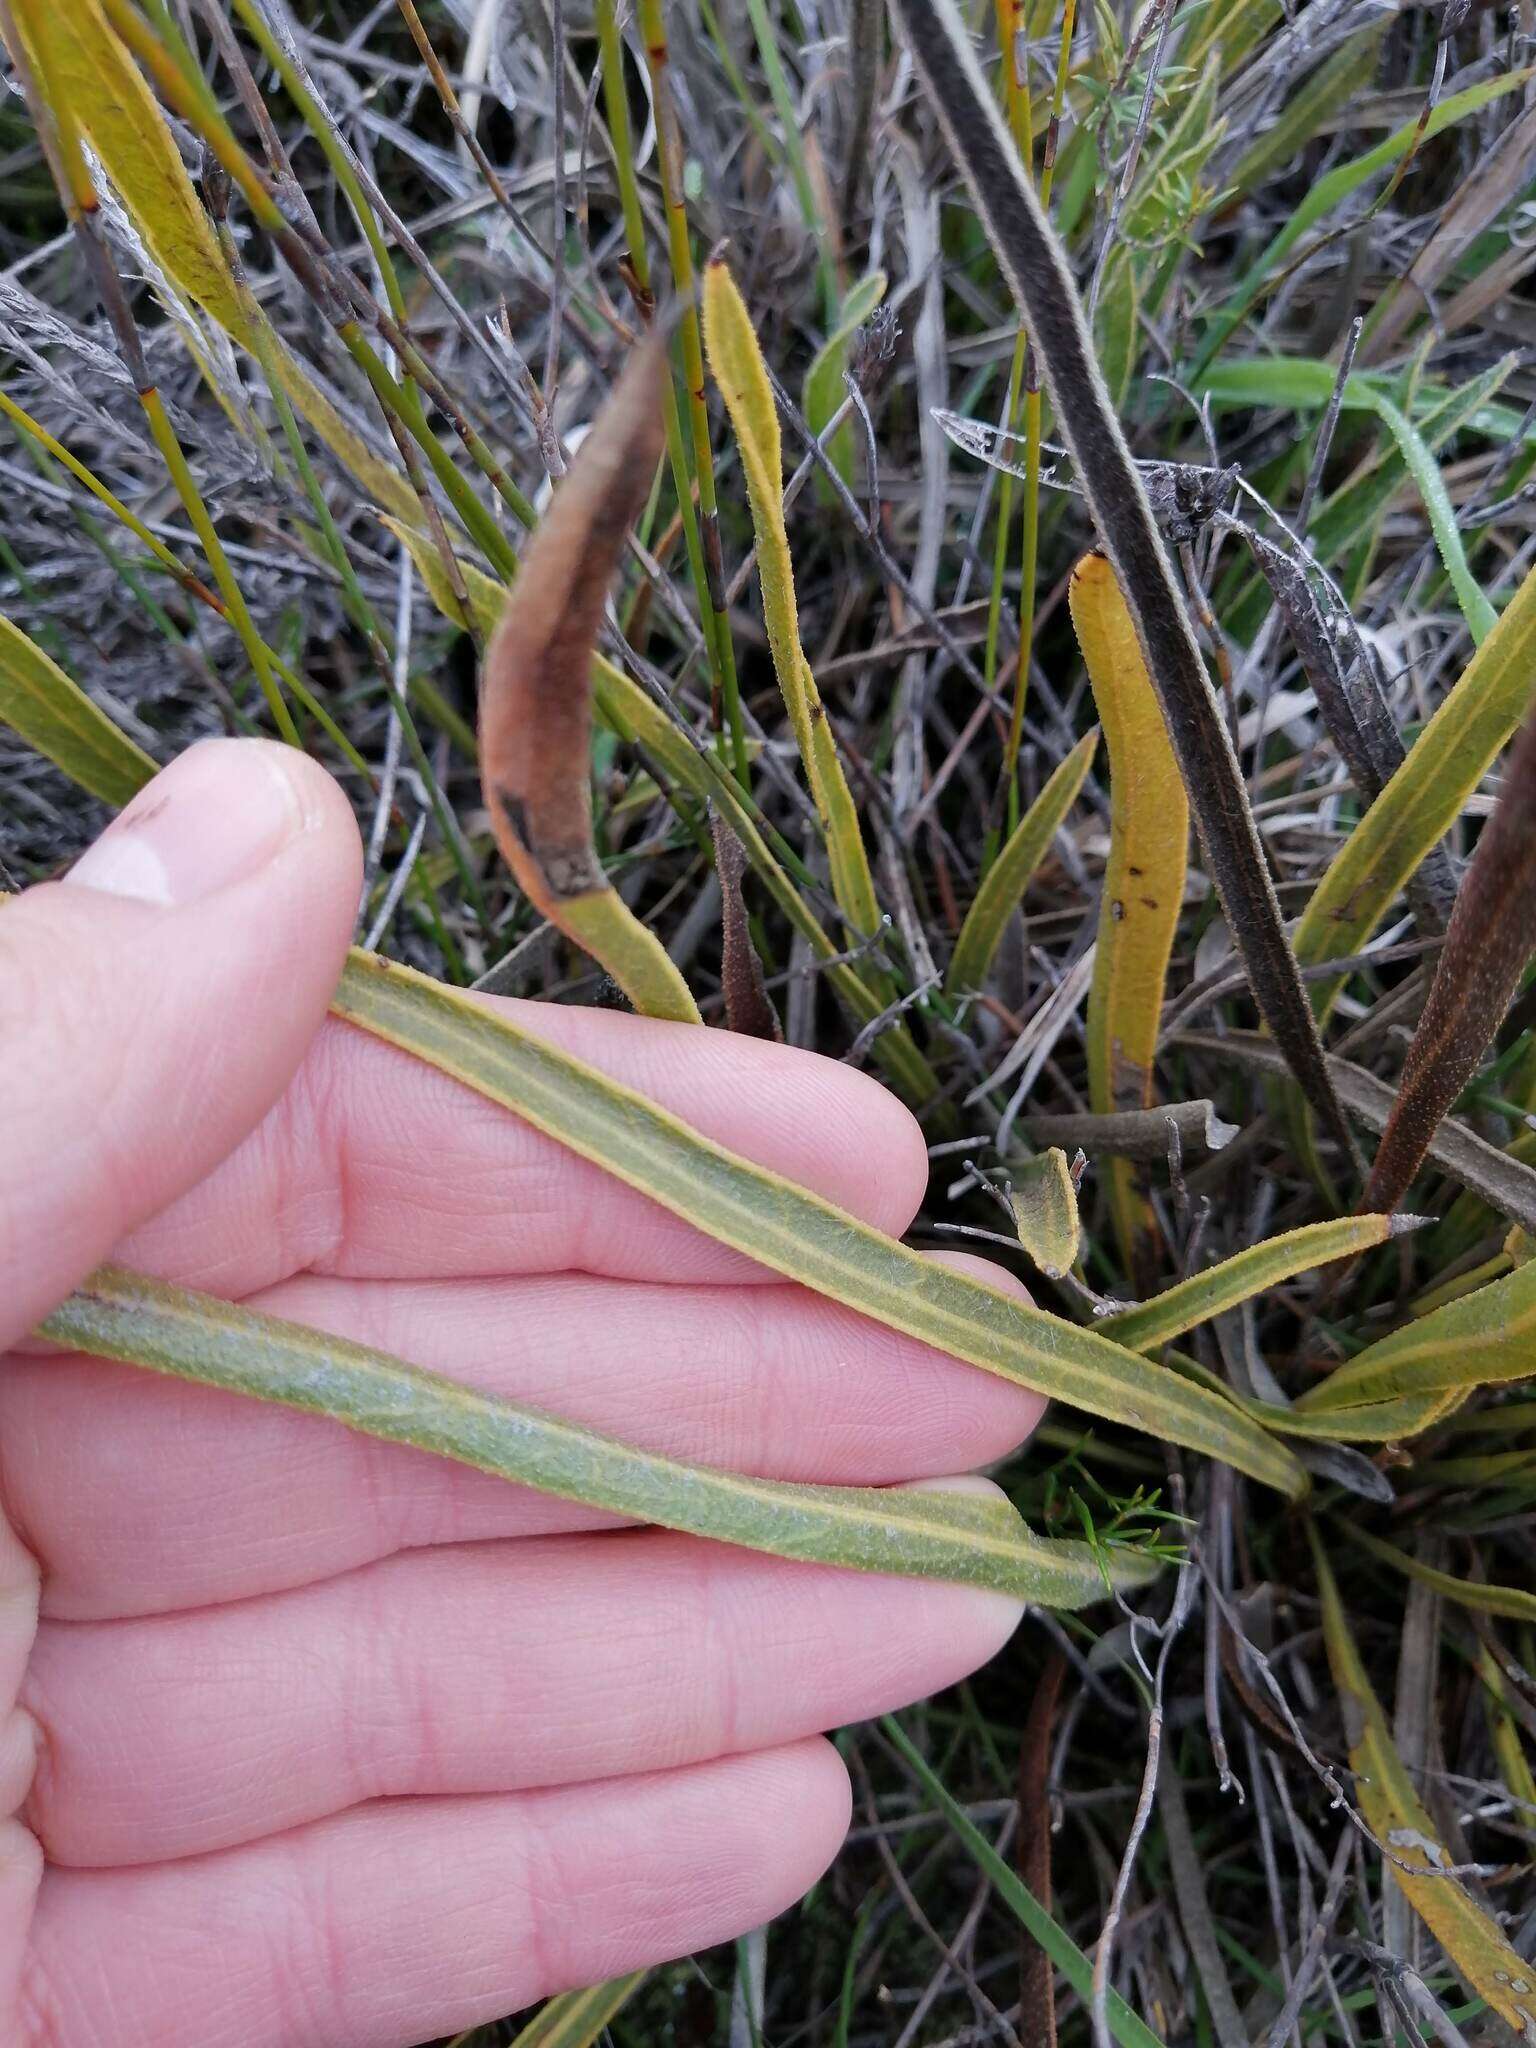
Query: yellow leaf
x=1144, y=878
x=1044, y=1203
x=792, y=1231
x=737, y=364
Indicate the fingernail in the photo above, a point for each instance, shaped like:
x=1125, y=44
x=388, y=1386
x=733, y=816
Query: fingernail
x=217, y=815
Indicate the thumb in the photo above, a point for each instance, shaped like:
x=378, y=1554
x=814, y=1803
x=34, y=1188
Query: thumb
x=155, y=1003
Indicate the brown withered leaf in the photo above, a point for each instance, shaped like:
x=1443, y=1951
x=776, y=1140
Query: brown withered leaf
x=535, y=702
x=1490, y=939
x=747, y=1008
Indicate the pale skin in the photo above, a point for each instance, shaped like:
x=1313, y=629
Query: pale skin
x=313, y=1742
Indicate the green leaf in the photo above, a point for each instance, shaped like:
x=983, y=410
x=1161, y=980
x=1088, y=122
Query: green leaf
x=1510, y=1601
x=789, y=1229
x=824, y=391
x=1424, y=798
x=955, y=1537
x=1330, y=191
x=1063, y=1951
x=1482, y=1339
x=1009, y=875
x=54, y=714
x=1238, y=1279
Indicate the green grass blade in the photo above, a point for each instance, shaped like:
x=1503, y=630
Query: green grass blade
x=1510, y=1601
x=53, y=714
x=1238, y=1279
x=790, y=1230
x=1063, y=1951
x=1425, y=471
x=1009, y=875
x=1330, y=191
x=952, y=1537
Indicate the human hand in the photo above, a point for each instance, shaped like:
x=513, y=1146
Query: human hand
x=315, y=1742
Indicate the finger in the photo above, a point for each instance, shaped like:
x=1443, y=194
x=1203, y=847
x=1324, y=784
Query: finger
x=476, y=1668
x=376, y=1165
x=155, y=1004
x=141, y=1495
x=411, y=1919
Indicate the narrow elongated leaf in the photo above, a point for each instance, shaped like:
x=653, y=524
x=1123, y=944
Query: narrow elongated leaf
x=1424, y=798
x=1491, y=937
x=1251, y=1272
x=1425, y=471
x=1143, y=878
x=789, y=1229
x=1403, y=1829
x=1009, y=875
x=1504, y=1182
x=53, y=714
x=536, y=694
x=1044, y=1203
x=1129, y=2030
x=910, y=1533
x=1041, y=279
x=1481, y=1339
x=1511, y=1601
x=737, y=364
x=577, y=2018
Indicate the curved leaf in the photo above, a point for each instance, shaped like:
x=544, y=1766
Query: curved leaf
x=1482, y=1339
x=1238, y=1279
